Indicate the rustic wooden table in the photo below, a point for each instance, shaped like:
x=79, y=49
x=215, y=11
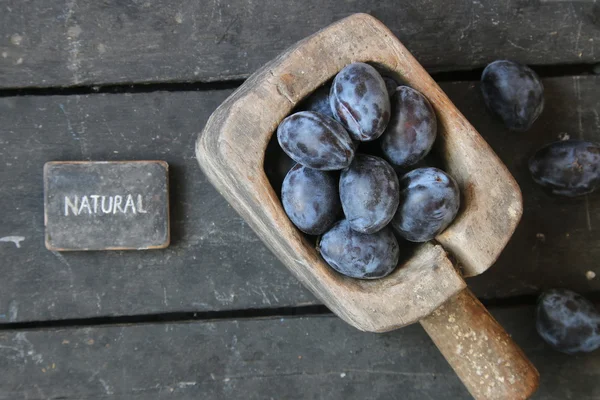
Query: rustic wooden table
x=216, y=315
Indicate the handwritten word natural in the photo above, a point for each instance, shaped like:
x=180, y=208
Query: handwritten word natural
x=104, y=205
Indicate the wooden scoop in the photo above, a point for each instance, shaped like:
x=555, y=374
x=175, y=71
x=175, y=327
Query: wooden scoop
x=427, y=288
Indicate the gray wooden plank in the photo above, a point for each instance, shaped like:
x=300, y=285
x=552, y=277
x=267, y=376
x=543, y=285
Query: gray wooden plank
x=87, y=42
x=558, y=240
x=282, y=358
x=215, y=261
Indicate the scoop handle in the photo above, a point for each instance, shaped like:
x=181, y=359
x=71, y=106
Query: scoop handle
x=482, y=354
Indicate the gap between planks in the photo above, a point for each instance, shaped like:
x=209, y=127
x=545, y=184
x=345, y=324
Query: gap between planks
x=544, y=71
x=247, y=314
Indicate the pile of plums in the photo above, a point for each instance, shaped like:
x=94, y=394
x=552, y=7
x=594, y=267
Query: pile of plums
x=337, y=129
x=351, y=198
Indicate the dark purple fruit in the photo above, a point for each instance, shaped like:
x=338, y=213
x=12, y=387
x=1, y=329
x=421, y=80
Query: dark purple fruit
x=369, y=193
x=318, y=101
x=390, y=85
x=567, y=321
x=429, y=201
x=412, y=128
x=359, y=255
x=567, y=168
x=277, y=164
x=513, y=92
x=360, y=101
x=315, y=141
x=310, y=199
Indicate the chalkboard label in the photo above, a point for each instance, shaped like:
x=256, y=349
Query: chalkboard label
x=121, y=205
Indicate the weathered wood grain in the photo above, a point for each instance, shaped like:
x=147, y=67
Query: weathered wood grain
x=557, y=241
x=231, y=152
x=87, y=42
x=291, y=358
x=215, y=261
x=481, y=352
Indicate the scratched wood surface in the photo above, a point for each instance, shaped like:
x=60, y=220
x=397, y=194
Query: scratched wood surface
x=557, y=241
x=88, y=42
x=318, y=357
x=201, y=270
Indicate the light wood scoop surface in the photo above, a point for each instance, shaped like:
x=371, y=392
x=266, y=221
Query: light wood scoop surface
x=427, y=287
